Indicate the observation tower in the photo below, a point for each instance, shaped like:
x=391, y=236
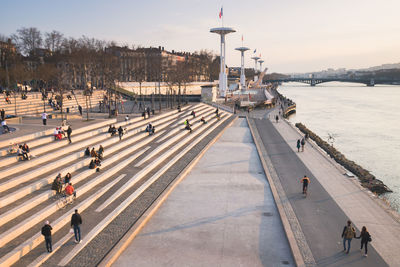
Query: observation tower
x=242, y=75
x=261, y=62
x=255, y=62
x=223, y=81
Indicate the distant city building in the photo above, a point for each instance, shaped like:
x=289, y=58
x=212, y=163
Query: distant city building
x=6, y=49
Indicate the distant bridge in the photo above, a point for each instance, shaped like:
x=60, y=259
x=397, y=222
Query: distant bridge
x=315, y=81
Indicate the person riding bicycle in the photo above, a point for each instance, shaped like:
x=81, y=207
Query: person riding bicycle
x=306, y=181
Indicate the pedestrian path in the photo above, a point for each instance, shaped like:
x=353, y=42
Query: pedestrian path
x=332, y=200
x=221, y=214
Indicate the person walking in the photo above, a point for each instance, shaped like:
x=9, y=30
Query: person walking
x=69, y=132
x=277, y=118
x=298, y=145
x=348, y=233
x=46, y=232
x=120, y=132
x=3, y=114
x=76, y=221
x=148, y=112
x=303, y=143
x=80, y=109
x=365, y=238
x=44, y=118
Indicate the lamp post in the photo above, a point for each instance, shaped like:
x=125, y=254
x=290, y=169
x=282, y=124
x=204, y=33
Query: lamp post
x=255, y=62
x=223, y=80
x=242, y=74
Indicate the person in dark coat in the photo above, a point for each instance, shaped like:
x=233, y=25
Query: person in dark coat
x=80, y=109
x=101, y=150
x=67, y=178
x=69, y=132
x=303, y=143
x=87, y=152
x=120, y=132
x=76, y=221
x=3, y=114
x=46, y=232
x=365, y=238
x=298, y=145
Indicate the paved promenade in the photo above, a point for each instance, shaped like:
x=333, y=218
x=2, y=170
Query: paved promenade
x=333, y=198
x=221, y=214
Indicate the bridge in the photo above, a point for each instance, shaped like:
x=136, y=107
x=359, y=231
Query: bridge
x=315, y=81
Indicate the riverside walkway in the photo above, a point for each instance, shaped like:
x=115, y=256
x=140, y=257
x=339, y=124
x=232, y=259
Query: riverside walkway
x=333, y=199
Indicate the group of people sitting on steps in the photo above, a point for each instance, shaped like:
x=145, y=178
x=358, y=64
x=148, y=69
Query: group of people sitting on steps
x=23, y=152
x=121, y=131
x=97, y=155
x=112, y=130
x=203, y=120
x=150, y=129
x=63, y=187
x=59, y=133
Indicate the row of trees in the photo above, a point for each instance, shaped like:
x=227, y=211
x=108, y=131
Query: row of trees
x=51, y=61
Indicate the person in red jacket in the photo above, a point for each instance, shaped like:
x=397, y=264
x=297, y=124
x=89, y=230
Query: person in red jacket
x=69, y=190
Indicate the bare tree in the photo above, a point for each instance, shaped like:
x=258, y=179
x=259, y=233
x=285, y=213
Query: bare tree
x=53, y=41
x=28, y=40
x=177, y=75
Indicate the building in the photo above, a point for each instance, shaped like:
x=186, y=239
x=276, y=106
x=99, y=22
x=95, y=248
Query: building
x=7, y=49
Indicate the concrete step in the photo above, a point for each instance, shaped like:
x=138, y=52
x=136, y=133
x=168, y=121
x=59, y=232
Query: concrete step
x=35, y=105
x=27, y=205
x=46, y=137
x=47, y=151
x=6, y=185
x=9, y=256
x=15, y=181
x=184, y=136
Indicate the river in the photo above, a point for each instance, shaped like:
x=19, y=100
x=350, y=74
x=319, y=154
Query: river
x=364, y=121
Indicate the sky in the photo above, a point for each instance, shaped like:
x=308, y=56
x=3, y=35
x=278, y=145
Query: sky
x=291, y=35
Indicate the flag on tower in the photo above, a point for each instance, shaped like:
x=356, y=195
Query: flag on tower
x=221, y=13
x=242, y=37
x=260, y=54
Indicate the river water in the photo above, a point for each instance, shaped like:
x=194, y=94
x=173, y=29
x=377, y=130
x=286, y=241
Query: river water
x=364, y=121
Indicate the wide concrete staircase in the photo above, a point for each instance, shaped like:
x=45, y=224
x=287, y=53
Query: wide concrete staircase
x=130, y=168
x=33, y=105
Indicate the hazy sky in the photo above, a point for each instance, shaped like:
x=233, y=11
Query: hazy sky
x=291, y=35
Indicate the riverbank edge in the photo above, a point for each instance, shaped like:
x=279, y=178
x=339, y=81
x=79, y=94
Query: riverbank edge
x=366, y=179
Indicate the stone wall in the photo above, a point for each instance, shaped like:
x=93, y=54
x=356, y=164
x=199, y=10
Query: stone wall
x=366, y=178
